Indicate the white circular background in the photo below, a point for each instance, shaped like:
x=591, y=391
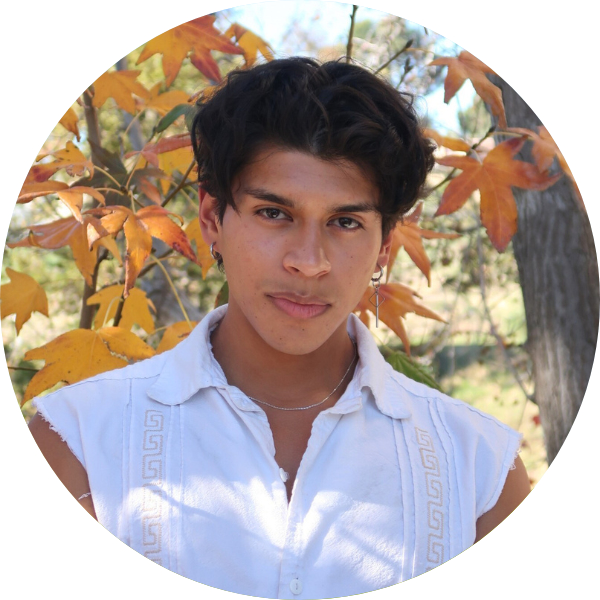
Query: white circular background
x=50, y=54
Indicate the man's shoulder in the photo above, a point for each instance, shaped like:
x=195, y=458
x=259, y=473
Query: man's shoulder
x=108, y=387
x=422, y=399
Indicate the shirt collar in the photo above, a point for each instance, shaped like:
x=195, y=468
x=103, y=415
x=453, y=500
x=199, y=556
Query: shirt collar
x=191, y=366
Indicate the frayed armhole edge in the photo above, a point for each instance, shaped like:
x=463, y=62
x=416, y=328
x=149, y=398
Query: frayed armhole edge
x=43, y=414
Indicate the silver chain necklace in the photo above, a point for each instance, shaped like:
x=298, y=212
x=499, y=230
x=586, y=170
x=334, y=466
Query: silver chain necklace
x=324, y=399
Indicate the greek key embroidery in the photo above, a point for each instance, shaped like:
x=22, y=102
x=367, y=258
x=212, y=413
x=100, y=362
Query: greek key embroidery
x=435, y=515
x=152, y=471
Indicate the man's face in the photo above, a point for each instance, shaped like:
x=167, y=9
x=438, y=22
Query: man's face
x=301, y=248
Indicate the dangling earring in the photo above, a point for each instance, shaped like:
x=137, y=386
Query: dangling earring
x=379, y=300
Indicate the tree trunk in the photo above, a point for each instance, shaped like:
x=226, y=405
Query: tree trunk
x=558, y=271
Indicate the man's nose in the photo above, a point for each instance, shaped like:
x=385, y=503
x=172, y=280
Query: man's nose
x=307, y=254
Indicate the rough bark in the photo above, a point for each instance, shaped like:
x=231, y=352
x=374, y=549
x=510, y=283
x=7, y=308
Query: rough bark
x=558, y=271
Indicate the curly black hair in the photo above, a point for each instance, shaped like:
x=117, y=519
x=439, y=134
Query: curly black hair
x=333, y=110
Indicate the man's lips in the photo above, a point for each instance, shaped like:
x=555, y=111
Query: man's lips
x=301, y=307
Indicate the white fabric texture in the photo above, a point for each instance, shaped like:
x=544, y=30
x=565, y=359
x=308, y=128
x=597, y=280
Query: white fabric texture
x=181, y=468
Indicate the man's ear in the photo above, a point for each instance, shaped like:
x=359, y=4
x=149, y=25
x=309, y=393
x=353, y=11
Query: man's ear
x=208, y=216
x=384, y=252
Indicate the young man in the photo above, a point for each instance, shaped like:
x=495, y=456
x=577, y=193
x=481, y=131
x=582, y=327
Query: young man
x=274, y=452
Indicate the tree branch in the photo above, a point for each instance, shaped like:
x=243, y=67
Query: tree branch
x=351, y=33
x=391, y=60
x=87, y=311
x=180, y=185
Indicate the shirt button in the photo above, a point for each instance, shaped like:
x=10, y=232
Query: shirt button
x=296, y=586
x=284, y=476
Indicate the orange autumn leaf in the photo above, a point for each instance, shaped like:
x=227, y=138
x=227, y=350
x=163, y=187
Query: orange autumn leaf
x=544, y=151
x=408, y=235
x=71, y=357
x=151, y=152
x=494, y=176
x=466, y=66
x=69, y=158
x=141, y=179
x=21, y=297
x=163, y=103
x=71, y=196
x=29, y=191
x=397, y=301
x=204, y=257
x=196, y=38
x=136, y=308
x=139, y=228
x=70, y=121
x=149, y=190
x=119, y=85
x=250, y=43
x=123, y=342
x=174, y=334
x=73, y=233
x=451, y=143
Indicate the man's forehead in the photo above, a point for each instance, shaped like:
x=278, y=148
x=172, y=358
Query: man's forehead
x=292, y=178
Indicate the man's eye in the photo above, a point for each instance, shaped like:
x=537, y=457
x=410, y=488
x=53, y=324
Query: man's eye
x=347, y=223
x=272, y=213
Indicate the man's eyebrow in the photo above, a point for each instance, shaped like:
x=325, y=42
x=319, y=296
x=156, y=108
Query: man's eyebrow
x=263, y=194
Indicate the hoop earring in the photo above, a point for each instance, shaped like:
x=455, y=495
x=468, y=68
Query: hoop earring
x=214, y=254
x=379, y=300
x=218, y=257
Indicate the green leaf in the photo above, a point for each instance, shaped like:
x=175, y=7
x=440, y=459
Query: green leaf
x=222, y=296
x=413, y=370
x=190, y=114
x=171, y=117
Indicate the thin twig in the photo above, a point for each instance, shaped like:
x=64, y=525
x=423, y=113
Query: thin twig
x=119, y=311
x=351, y=33
x=391, y=60
x=170, y=281
x=150, y=266
x=180, y=185
x=488, y=315
x=23, y=369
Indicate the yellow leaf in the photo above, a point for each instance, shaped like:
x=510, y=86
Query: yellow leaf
x=125, y=343
x=136, y=308
x=250, y=43
x=71, y=196
x=197, y=37
x=139, y=228
x=163, y=103
x=71, y=357
x=69, y=121
x=21, y=297
x=69, y=158
x=119, y=85
x=175, y=334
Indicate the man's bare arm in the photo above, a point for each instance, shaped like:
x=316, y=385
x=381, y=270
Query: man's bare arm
x=515, y=490
x=63, y=462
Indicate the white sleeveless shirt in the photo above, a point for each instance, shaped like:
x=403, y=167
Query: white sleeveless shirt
x=181, y=468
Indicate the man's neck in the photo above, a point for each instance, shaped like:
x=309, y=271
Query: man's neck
x=284, y=380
